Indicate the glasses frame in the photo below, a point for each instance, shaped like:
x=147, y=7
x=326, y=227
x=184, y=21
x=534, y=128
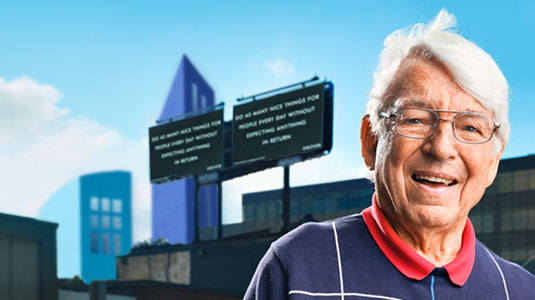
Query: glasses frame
x=438, y=118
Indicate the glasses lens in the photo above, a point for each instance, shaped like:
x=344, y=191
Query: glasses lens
x=415, y=123
x=472, y=128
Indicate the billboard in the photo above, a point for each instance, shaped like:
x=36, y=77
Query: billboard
x=280, y=126
x=187, y=147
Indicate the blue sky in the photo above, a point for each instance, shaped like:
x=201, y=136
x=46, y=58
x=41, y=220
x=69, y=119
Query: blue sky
x=95, y=76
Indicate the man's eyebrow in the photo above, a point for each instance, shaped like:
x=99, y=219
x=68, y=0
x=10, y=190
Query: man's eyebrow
x=406, y=102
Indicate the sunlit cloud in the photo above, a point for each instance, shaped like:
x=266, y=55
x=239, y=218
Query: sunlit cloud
x=280, y=67
x=234, y=189
x=44, y=146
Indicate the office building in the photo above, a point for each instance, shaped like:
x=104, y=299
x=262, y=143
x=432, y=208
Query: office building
x=173, y=209
x=504, y=219
x=311, y=202
x=95, y=224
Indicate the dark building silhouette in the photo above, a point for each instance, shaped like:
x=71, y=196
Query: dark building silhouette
x=27, y=259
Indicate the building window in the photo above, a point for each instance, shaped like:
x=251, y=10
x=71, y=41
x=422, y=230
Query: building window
x=105, y=222
x=250, y=213
x=295, y=207
x=117, y=224
x=507, y=221
x=532, y=179
x=261, y=210
x=505, y=200
x=194, y=99
x=117, y=243
x=521, y=181
x=487, y=224
x=318, y=205
x=476, y=222
x=105, y=243
x=531, y=218
x=520, y=219
x=505, y=182
x=93, y=247
x=271, y=210
x=105, y=204
x=306, y=206
x=345, y=203
x=204, y=101
x=117, y=206
x=330, y=205
x=94, y=203
x=94, y=221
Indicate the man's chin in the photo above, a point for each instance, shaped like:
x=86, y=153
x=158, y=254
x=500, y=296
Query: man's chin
x=432, y=216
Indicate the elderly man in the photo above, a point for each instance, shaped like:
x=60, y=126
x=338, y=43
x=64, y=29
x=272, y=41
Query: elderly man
x=435, y=129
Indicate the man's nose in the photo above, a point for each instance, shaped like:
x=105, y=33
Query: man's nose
x=442, y=145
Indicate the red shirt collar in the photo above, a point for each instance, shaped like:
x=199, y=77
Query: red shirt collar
x=407, y=260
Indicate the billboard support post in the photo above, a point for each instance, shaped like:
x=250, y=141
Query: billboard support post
x=286, y=200
x=196, y=219
x=219, y=210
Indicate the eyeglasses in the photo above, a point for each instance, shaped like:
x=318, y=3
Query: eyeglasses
x=421, y=123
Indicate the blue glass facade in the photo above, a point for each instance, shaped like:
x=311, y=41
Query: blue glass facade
x=320, y=201
x=106, y=222
x=173, y=206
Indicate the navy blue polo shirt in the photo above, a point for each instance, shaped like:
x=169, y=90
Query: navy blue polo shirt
x=361, y=257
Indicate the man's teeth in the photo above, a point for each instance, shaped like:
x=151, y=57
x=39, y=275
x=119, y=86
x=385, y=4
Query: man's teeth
x=434, y=179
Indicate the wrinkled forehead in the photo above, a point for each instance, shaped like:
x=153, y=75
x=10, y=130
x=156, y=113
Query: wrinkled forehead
x=429, y=84
x=400, y=103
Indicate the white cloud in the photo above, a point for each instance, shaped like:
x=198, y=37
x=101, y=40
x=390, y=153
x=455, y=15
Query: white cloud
x=279, y=67
x=42, y=147
x=141, y=209
x=271, y=66
x=233, y=189
x=333, y=167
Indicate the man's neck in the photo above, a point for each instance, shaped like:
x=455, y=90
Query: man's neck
x=439, y=246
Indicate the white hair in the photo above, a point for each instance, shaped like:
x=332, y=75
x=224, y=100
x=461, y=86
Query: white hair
x=472, y=68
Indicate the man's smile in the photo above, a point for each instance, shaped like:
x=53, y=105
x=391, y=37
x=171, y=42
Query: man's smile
x=434, y=180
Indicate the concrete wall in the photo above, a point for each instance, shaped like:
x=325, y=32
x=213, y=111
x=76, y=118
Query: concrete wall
x=174, y=267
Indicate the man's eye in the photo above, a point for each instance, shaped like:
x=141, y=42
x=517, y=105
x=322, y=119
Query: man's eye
x=414, y=121
x=471, y=129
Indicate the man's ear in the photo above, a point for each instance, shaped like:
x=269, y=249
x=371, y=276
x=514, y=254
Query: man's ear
x=493, y=170
x=368, y=142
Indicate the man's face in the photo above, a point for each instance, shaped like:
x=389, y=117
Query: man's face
x=432, y=182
